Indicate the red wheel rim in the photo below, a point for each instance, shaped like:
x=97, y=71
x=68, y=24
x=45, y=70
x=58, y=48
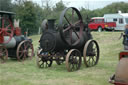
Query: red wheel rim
x=7, y=28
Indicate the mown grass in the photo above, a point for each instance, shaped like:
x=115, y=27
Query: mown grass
x=27, y=73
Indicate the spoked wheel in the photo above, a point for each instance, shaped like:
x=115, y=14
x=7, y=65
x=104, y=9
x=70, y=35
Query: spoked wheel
x=71, y=26
x=25, y=50
x=60, y=58
x=7, y=29
x=91, y=53
x=44, y=61
x=73, y=60
x=3, y=54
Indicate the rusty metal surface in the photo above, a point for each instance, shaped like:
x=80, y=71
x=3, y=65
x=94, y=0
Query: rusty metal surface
x=71, y=26
x=120, y=77
x=121, y=74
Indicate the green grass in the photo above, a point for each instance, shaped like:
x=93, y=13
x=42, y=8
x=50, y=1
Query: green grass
x=27, y=73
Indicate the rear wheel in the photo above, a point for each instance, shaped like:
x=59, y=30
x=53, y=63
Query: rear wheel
x=99, y=29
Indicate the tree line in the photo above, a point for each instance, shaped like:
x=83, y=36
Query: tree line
x=31, y=14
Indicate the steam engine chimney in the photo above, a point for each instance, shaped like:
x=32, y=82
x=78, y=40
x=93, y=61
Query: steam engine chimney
x=51, y=24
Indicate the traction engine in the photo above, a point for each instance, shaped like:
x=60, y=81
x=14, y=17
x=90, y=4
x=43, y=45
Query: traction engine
x=69, y=41
x=12, y=43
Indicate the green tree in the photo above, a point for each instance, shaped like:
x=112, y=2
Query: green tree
x=46, y=8
x=111, y=8
x=26, y=12
x=59, y=6
x=5, y=5
x=115, y=7
x=57, y=9
x=39, y=16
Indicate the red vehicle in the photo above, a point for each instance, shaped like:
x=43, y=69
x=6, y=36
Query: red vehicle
x=97, y=23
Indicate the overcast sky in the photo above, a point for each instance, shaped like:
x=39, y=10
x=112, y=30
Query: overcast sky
x=91, y=4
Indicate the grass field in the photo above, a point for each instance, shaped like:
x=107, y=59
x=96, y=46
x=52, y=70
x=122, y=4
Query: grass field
x=27, y=73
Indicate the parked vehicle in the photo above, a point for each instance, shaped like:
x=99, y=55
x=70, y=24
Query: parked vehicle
x=98, y=23
x=121, y=19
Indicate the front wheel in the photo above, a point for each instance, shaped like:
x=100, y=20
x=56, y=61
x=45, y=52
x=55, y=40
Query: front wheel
x=91, y=53
x=25, y=50
x=73, y=60
x=99, y=29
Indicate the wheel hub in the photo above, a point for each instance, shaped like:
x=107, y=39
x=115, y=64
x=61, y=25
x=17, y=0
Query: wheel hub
x=25, y=51
x=73, y=61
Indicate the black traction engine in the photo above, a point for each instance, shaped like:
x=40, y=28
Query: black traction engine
x=68, y=41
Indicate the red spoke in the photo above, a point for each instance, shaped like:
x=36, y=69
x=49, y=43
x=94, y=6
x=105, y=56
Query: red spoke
x=67, y=20
x=8, y=26
x=25, y=46
x=67, y=29
x=9, y=34
x=24, y=57
x=20, y=55
x=76, y=33
x=0, y=31
x=77, y=22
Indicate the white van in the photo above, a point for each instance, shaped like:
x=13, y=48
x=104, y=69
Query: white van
x=121, y=20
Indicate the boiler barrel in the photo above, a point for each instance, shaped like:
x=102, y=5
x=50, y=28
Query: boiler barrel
x=51, y=41
x=11, y=43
